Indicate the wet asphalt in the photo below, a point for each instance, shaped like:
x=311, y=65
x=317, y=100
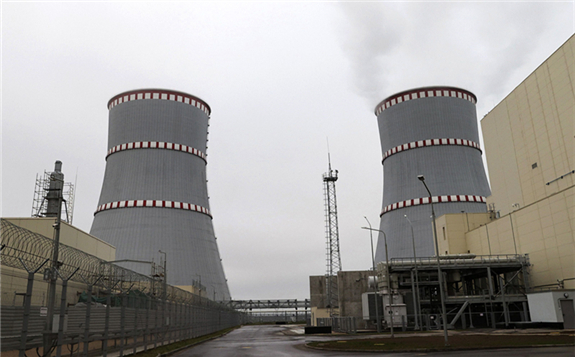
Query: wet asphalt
x=282, y=340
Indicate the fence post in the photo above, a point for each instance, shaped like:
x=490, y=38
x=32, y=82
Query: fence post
x=135, y=333
x=155, y=329
x=27, y=306
x=62, y=311
x=87, y=321
x=123, y=301
x=107, y=324
x=147, y=327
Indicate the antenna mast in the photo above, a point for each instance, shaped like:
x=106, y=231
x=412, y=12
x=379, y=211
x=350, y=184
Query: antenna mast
x=332, y=236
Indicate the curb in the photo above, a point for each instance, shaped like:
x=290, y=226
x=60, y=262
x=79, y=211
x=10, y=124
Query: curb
x=432, y=349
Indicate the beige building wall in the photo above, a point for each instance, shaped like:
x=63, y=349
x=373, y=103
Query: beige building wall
x=69, y=235
x=544, y=230
x=452, y=230
x=528, y=137
x=14, y=281
x=529, y=146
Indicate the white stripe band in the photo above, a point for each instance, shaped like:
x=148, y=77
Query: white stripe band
x=159, y=94
x=430, y=142
x=156, y=145
x=153, y=203
x=435, y=199
x=424, y=93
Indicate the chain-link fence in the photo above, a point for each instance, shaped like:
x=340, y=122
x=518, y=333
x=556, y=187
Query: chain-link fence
x=117, y=309
x=340, y=324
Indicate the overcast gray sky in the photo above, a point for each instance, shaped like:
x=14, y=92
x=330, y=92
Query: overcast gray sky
x=281, y=78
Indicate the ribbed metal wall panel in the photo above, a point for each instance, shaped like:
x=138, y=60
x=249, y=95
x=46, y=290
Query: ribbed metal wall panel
x=432, y=132
x=156, y=152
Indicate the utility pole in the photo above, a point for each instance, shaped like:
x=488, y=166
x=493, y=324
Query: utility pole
x=55, y=200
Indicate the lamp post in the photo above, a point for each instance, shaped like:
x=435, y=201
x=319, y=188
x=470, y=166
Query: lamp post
x=416, y=296
x=439, y=273
x=387, y=277
x=377, y=322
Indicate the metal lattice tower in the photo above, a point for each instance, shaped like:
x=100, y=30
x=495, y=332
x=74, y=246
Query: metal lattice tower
x=42, y=191
x=332, y=237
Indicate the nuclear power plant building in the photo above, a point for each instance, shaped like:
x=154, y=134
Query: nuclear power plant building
x=154, y=194
x=433, y=132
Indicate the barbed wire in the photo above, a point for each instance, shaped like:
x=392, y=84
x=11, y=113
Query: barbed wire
x=20, y=245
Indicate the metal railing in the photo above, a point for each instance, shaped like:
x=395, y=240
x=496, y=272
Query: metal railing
x=464, y=259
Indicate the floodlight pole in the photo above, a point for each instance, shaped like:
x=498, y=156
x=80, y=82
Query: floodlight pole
x=387, y=277
x=377, y=322
x=439, y=273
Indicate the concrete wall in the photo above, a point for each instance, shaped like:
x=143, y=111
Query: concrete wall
x=317, y=291
x=351, y=285
x=546, y=306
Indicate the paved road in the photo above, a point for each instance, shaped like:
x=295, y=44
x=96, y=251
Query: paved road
x=270, y=341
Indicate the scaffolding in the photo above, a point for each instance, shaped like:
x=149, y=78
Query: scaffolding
x=40, y=201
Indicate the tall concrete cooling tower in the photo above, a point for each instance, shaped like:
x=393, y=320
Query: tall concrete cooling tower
x=154, y=196
x=432, y=132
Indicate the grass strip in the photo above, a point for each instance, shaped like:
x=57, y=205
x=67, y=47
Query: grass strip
x=166, y=349
x=437, y=342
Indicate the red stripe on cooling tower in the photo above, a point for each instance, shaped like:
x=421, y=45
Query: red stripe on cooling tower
x=424, y=93
x=432, y=142
x=152, y=203
x=144, y=94
x=435, y=199
x=156, y=145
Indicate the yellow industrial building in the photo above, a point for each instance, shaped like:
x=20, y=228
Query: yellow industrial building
x=529, y=145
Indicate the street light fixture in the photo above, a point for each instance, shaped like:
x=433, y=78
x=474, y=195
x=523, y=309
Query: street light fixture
x=416, y=293
x=387, y=277
x=439, y=273
x=377, y=322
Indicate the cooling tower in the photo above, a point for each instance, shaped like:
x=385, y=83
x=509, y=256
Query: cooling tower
x=433, y=132
x=154, y=195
